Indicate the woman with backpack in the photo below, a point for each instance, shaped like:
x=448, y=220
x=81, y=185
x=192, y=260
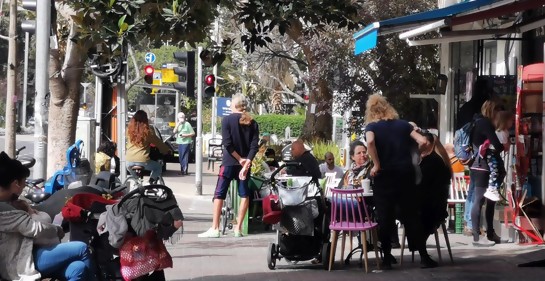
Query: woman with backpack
x=483, y=130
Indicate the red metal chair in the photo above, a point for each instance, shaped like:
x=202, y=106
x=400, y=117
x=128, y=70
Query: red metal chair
x=349, y=213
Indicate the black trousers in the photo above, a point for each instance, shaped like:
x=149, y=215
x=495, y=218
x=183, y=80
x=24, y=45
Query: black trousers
x=395, y=192
x=481, y=184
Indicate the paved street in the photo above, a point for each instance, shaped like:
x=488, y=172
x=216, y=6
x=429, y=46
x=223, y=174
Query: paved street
x=228, y=258
x=245, y=258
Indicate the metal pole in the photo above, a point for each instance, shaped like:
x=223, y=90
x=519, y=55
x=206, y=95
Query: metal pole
x=11, y=97
x=98, y=111
x=198, y=144
x=214, y=104
x=121, y=118
x=25, y=78
x=43, y=25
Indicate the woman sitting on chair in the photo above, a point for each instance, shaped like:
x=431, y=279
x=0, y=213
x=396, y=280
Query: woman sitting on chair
x=434, y=187
x=361, y=166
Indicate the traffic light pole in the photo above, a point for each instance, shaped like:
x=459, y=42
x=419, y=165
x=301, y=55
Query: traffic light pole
x=43, y=26
x=198, y=139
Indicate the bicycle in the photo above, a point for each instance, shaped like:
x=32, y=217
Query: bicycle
x=134, y=182
x=227, y=215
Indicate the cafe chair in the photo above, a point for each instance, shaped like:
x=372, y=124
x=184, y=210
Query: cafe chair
x=349, y=213
x=437, y=245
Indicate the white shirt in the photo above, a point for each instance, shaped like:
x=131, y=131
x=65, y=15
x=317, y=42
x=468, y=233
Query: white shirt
x=324, y=169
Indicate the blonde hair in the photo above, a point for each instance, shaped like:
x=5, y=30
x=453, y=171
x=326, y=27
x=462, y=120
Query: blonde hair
x=241, y=104
x=504, y=120
x=488, y=109
x=377, y=108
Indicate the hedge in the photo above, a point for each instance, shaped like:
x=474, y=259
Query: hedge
x=277, y=123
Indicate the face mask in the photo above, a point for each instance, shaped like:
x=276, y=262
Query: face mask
x=181, y=119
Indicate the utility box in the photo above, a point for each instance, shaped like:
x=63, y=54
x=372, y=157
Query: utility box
x=85, y=131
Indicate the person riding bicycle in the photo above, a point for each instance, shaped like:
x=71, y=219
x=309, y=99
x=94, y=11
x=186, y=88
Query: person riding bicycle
x=139, y=138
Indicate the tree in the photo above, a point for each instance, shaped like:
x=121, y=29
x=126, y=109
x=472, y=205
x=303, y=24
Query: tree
x=323, y=30
x=297, y=20
x=85, y=27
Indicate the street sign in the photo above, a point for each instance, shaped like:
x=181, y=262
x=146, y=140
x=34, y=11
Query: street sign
x=223, y=106
x=150, y=57
x=156, y=81
x=168, y=75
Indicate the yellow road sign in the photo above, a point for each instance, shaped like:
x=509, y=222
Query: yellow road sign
x=168, y=75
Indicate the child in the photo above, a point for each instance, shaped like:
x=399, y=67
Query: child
x=104, y=155
x=504, y=121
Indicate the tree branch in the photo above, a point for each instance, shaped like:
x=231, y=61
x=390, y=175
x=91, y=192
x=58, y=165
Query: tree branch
x=286, y=56
x=137, y=78
x=286, y=90
x=4, y=37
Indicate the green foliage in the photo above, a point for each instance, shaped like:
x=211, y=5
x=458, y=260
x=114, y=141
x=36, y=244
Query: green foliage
x=257, y=169
x=117, y=22
x=276, y=124
x=260, y=18
x=320, y=148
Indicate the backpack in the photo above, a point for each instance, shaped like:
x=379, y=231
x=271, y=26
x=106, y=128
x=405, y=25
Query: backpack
x=463, y=147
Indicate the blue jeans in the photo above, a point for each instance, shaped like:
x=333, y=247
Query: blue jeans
x=153, y=166
x=183, y=153
x=469, y=200
x=70, y=261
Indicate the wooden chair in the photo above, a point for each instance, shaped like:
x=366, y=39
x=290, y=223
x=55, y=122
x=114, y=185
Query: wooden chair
x=347, y=216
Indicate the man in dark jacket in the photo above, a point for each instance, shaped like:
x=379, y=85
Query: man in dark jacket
x=309, y=165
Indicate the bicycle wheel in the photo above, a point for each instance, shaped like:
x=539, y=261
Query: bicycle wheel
x=132, y=183
x=225, y=214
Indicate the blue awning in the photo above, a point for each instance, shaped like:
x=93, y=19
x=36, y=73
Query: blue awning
x=366, y=38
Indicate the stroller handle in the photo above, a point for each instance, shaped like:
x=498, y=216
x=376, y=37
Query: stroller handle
x=142, y=191
x=287, y=164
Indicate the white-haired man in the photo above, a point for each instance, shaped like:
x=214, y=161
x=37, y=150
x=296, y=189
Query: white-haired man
x=184, y=137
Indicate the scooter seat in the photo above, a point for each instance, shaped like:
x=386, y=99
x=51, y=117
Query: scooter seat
x=35, y=181
x=37, y=196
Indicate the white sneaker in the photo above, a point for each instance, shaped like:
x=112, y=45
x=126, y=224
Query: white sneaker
x=492, y=194
x=210, y=233
x=483, y=242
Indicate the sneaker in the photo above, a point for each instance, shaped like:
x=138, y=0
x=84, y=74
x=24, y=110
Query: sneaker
x=483, y=242
x=238, y=234
x=387, y=262
x=210, y=233
x=492, y=194
x=427, y=262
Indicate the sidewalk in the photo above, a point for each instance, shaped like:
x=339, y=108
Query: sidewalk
x=245, y=258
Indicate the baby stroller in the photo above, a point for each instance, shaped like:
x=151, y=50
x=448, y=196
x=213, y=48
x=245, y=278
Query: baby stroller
x=301, y=219
x=151, y=207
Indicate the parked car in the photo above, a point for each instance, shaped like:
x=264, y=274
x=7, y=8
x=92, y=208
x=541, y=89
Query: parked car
x=170, y=141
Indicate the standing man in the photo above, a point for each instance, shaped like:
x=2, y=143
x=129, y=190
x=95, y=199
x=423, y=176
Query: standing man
x=184, y=137
x=329, y=166
x=240, y=138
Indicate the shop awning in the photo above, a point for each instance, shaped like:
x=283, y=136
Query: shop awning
x=507, y=8
x=366, y=38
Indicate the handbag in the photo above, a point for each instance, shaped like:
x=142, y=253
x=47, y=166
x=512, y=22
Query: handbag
x=141, y=255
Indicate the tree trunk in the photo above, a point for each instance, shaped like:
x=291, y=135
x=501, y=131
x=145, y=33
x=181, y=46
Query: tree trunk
x=64, y=102
x=319, y=119
x=319, y=123
x=11, y=96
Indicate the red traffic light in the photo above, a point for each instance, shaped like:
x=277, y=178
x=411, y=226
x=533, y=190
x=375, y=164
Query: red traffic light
x=209, y=79
x=149, y=70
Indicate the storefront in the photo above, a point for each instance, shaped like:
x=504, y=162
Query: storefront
x=489, y=39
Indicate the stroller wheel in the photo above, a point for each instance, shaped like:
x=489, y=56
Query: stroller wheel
x=271, y=258
x=326, y=252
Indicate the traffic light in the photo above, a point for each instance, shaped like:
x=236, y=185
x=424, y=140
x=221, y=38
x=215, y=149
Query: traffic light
x=185, y=72
x=210, y=59
x=209, y=85
x=148, y=74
